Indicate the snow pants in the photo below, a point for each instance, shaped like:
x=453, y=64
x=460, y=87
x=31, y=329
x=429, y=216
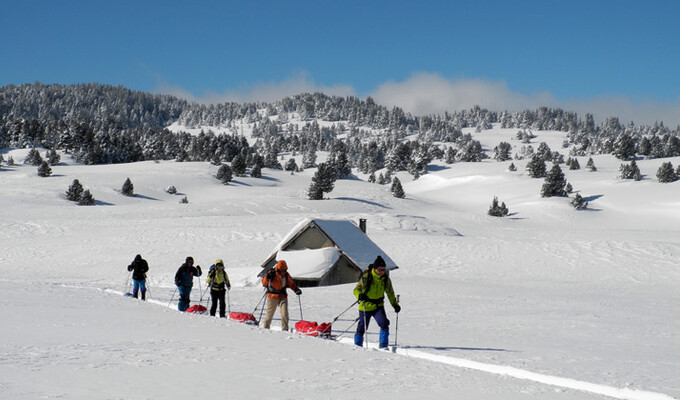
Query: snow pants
x=184, y=293
x=272, y=304
x=382, y=321
x=217, y=296
x=137, y=285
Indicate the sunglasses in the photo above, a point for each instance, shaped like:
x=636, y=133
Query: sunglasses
x=381, y=269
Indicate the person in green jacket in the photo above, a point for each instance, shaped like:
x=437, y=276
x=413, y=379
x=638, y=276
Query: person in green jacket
x=373, y=284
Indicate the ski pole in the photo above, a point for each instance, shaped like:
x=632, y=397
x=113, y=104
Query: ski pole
x=347, y=309
x=396, y=326
x=366, y=319
x=127, y=283
x=228, y=303
x=300, y=301
x=348, y=328
x=173, y=296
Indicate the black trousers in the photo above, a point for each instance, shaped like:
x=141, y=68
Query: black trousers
x=217, y=296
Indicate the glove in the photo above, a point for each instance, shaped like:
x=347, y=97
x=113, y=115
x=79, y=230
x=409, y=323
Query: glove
x=198, y=267
x=228, y=287
x=363, y=297
x=397, y=308
x=271, y=274
x=298, y=291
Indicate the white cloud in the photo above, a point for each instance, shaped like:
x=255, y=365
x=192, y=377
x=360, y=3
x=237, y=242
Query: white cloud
x=427, y=93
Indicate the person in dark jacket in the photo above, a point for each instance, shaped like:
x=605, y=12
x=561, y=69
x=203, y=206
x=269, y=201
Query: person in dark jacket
x=219, y=284
x=373, y=285
x=139, y=268
x=184, y=279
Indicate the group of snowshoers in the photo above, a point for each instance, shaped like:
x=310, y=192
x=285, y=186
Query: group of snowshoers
x=374, y=283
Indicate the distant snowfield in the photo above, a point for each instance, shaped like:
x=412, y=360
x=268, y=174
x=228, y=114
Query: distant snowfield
x=548, y=303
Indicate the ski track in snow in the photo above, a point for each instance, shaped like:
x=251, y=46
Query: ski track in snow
x=568, y=383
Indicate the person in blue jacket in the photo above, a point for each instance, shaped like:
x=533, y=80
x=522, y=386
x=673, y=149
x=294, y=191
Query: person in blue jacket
x=184, y=279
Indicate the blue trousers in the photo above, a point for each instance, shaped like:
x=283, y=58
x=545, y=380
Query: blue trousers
x=382, y=321
x=184, y=292
x=138, y=284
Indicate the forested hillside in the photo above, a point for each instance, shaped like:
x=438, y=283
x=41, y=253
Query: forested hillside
x=100, y=124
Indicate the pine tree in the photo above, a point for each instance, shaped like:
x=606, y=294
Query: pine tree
x=224, y=174
x=238, y=165
x=256, y=172
x=74, y=191
x=579, y=203
x=86, y=199
x=498, y=211
x=666, y=173
x=396, y=189
x=53, y=157
x=323, y=181
x=502, y=152
x=512, y=167
x=574, y=165
x=555, y=183
x=171, y=190
x=536, y=168
x=371, y=178
x=291, y=165
x=128, y=188
x=184, y=200
x=630, y=171
x=590, y=165
x=44, y=169
x=33, y=158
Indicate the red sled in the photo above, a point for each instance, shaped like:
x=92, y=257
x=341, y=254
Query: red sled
x=244, y=318
x=311, y=328
x=197, y=309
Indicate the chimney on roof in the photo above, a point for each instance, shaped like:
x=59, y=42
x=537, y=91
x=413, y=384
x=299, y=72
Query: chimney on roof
x=362, y=224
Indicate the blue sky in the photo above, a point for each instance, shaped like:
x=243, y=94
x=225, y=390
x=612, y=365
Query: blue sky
x=608, y=57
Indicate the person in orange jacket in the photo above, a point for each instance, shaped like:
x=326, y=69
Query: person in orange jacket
x=277, y=280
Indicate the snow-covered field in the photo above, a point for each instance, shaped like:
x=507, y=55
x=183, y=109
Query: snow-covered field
x=548, y=303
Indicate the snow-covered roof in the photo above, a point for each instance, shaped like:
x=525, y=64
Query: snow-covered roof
x=348, y=239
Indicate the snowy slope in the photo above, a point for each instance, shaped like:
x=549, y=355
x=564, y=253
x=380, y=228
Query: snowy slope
x=549, y=302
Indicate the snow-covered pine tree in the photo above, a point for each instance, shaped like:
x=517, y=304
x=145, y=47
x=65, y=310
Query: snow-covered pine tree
x=555, y=183
x=574, y=165
x=590, y=165
x=579, y=203
x=53, y=157
x=371, y=178
x=128, y=188
x=74, y=191
x=502, y=152
x=322, y=182
x=256, y=172
x=224, y=174
x=171, y=190
x=86, y=199
x=184, y=200
x=291, y=165
x=44, y=169
x=666, y=173
x=536, y=167
x=238, y=165
x=33, y=157
x=396, y=189
x=630, y=171
x=497, y=211
x=624, y=147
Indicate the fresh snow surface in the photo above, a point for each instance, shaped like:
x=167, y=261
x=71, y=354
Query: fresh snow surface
x=547, y=303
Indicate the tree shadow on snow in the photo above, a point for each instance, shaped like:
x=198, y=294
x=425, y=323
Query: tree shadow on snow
x=239, y=183
x=141, y=196
x=269, y=178
x=372, y=203
x=591, y=198
x=102, y=203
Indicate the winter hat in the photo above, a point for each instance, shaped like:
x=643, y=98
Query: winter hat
x=189, y=259
x=138, y=257
x=219, y=262
x=379, y=262
x=281, y=266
